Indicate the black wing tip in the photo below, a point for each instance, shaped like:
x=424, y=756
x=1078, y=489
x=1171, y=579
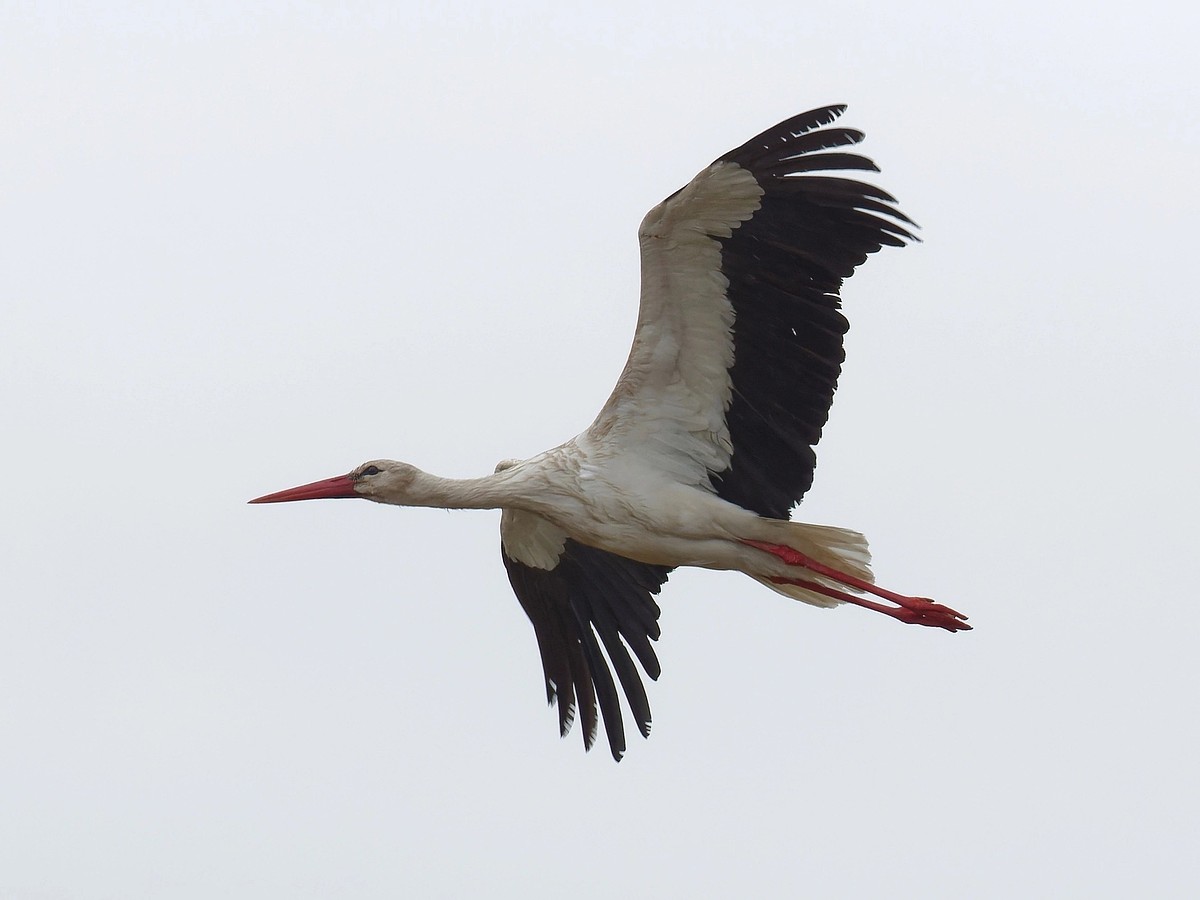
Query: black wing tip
x=617, y=749
x=789, y=165
x=793, y=155
x=787, y=130
x=835, y=191
x=809, y=120
x=591, y=598
x=815, y=118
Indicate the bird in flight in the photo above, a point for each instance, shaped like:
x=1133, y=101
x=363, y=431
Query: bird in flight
x=706, y=442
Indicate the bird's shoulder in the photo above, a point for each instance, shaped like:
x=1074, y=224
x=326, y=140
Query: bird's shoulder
x=712, y=204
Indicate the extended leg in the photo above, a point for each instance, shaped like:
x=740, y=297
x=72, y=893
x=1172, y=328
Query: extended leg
x=934, y=617
x=913, y=610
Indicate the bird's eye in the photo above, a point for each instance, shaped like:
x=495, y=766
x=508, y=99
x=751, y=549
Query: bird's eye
x=369, y=470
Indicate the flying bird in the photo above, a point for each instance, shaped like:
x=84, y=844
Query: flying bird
x=706, y=442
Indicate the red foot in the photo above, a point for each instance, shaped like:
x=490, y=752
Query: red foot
x=912, y=610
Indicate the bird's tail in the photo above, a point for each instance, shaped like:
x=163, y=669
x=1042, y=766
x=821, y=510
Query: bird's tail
x=839, y=548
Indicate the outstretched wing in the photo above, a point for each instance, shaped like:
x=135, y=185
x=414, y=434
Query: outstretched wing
x=738, y=345
x=572, y=593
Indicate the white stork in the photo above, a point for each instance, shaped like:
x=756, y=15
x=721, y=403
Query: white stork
x=707, y=441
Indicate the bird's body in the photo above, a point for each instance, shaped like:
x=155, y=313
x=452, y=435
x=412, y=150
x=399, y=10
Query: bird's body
x=613, y=503
x=619, y=504
x=706, y=442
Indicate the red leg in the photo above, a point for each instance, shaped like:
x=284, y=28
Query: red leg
x=934, y=618
x=913, y=610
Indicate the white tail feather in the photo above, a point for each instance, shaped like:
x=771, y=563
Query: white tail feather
x=838, y=548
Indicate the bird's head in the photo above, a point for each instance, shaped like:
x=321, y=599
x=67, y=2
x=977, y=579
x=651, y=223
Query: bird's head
x=381, y=480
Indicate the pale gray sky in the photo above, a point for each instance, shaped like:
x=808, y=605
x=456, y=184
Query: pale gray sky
x=243, y=250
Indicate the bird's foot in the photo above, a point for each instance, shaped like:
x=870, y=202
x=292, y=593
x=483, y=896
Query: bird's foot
x=914, y=610
x=911, y=610
x=933, y=614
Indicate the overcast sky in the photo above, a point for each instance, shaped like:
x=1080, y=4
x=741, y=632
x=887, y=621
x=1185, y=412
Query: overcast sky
x=242, y=251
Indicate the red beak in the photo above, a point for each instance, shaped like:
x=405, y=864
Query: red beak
x=341, y=486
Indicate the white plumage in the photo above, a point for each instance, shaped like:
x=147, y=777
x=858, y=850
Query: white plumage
x=706, y=442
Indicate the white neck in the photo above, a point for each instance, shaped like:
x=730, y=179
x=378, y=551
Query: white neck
x=502, y=489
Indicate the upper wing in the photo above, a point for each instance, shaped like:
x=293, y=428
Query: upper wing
x=571, y=592
x=738, y=344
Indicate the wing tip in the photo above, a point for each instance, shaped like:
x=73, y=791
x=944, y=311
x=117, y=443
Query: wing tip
x=788, y=129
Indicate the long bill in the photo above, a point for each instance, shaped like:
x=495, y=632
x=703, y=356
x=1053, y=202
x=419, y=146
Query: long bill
x=339, y=486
